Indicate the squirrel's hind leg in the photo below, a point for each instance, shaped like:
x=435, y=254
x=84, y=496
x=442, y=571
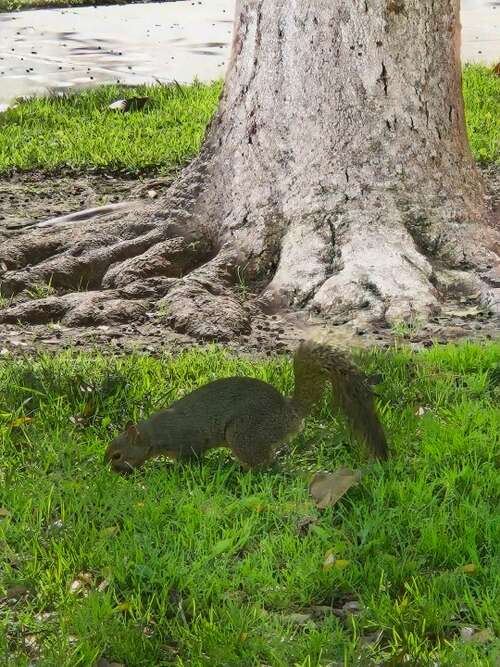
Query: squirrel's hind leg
x=249, y=444
x=253, y=443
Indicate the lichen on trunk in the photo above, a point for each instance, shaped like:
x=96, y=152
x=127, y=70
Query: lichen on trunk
x=335, y=177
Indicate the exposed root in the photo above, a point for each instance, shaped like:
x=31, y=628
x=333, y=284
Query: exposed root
x=76, y=309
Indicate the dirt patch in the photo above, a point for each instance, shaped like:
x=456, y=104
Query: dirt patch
x=33, y=197
x=267, y=336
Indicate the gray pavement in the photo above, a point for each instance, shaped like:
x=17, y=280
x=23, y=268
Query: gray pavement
x=58, y=49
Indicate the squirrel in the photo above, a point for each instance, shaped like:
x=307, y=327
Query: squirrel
x=250, y=416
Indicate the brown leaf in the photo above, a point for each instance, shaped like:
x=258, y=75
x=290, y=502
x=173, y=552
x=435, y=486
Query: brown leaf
x=332, y=562
x=88, y=409
x=15, y=593
x=298, y=619
x=327, y=488
x=470, y=568
x=304, y=524
x=104, y=662
x=479, y=637
x=20, y=421
x=319, y=611
x=82, y=581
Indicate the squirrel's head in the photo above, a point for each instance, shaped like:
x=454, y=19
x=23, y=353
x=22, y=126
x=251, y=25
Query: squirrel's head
x=128, y=451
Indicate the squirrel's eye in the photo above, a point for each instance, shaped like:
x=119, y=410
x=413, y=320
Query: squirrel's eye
x=116, y=456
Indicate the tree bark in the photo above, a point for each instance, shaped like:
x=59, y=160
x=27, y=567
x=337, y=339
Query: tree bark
x=336, y=177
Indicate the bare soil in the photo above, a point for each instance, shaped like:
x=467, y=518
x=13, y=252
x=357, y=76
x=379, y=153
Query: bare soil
x=27, y=198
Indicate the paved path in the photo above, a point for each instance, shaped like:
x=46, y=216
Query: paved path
x=69, y=48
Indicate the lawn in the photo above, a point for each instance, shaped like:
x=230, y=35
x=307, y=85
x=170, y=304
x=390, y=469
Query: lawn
x=79, y=132
x=208, y=565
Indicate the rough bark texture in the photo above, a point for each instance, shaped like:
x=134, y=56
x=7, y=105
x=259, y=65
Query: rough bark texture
x=336, y=177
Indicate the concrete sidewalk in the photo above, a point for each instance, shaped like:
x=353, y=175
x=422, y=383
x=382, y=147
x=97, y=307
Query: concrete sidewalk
x=70, y=48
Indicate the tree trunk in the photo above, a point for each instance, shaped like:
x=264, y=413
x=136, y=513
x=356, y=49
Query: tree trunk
x=336, y=177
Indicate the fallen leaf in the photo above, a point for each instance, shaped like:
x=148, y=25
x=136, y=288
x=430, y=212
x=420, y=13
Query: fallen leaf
x=305, y=523
x=75, y=586
x=20, y=421
x=470, y=568
x=327, y=488
x=319, y=610
x=466, y=633
x=31, y=644
x=371, y=639
x=118, y=105
x=88, y=409
x=349, y=608
x=477, y=637
x=81, y=581
x=15, y=593
x=130, y=104
x=298, y=619
x=46, y=616
x=332, y=562
x=103, y=585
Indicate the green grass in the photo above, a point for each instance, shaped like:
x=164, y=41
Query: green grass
x=482, y=111
x=203, y=564
x=78, y=131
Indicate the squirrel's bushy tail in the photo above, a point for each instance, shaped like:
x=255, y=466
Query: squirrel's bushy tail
x=315, y=364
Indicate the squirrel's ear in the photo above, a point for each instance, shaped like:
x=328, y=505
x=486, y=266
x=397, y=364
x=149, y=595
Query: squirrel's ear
x=132, y=431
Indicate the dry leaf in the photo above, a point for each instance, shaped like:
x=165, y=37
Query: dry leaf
x=130, y=104
x=82, y=580
x=327, y=488
x=332, y=562
x=349, y=608
x=470, y=568
x=103, y=585
x=371, y=639
x=466, y=633
x=31, y=644
x=88, y=409
x=305, y=523
x=298, y=619
x=480, y=637
x=15, y=593
x=319, y=611
x=20, y=421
